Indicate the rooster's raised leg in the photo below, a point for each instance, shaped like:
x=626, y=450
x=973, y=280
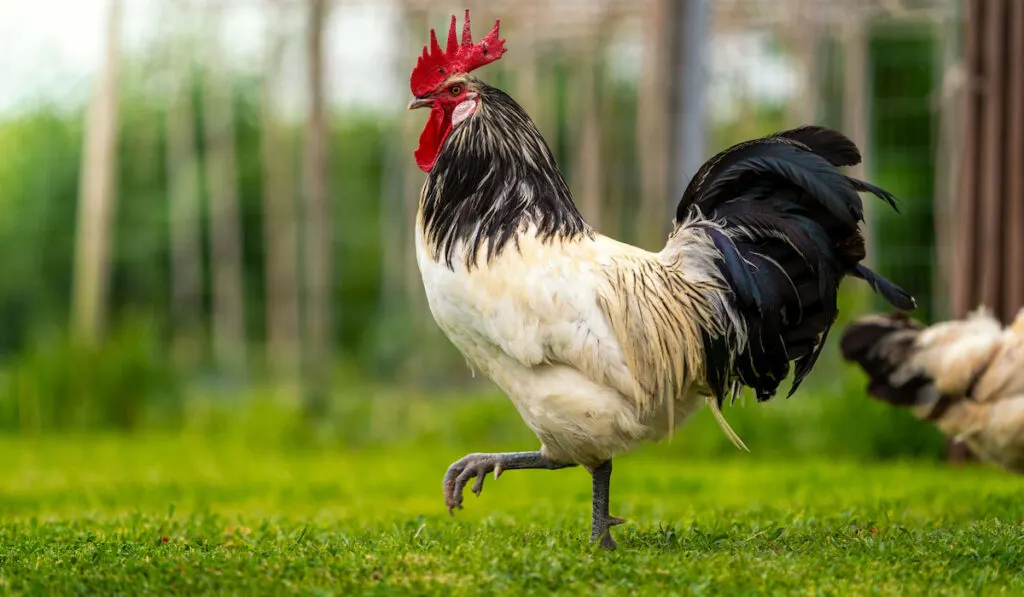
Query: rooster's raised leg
x=603, y=522
x=478, y=465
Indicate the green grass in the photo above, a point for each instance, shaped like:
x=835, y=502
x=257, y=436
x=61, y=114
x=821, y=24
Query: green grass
x=119, y=515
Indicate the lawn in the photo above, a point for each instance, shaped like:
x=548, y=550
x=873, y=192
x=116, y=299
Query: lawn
x=117, y=515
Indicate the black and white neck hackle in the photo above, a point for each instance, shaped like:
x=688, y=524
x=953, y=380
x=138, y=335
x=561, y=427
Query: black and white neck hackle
x=494, y=177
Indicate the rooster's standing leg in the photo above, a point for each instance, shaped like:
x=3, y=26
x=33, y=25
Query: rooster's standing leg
x=603, y=522
x=478, y=465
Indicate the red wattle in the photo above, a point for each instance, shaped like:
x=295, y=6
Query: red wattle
x=432, y=138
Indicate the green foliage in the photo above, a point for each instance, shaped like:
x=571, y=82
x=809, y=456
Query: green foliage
x=190, y=515
x=38, y=187
x=39, y=195
x=833, y=419
x=127, y=383
x=358, y=155
x=60, y=384
x=904, y=76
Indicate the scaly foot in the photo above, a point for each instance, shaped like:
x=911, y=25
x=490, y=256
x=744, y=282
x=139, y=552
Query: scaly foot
x=600, y=530
x=464, y=469
x=478, y=465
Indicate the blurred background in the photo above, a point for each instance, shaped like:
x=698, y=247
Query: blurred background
x=207, y=206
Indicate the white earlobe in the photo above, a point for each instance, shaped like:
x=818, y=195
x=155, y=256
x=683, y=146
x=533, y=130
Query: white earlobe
x=463, y=111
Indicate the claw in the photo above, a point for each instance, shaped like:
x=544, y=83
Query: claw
x=479, y=464
x=452, y=493
x=459, y=474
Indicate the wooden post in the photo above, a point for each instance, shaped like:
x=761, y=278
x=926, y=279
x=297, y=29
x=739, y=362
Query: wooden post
x=1014, y=188
x=317, y=233
x=991, y=153
x=280, y=220
x=98, y=192
x=989, y=256
x=587, y=171
x=963, y=275
x=948, y=160
x=856, y=117
x=185, y=202
x=804, y=36
x=689, y=117
x=526, y=64
x=654, y=136
x=988, y=260
x=228, y=318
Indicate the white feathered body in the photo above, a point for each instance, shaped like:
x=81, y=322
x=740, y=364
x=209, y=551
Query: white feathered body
x=532, y=321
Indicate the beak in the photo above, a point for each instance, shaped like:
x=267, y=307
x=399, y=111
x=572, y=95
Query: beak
x=420, y=102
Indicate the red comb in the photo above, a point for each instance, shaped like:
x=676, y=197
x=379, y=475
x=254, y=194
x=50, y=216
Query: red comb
x=437, y=65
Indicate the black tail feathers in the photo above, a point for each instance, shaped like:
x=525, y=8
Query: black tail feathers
x=896, y=296
x=786, y=223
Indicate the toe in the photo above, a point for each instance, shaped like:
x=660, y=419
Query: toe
x=607, y=542
x=459, y=474
x=461, y=481
x=450, y=500
x=464, y=477
x=452, y=489
x=604, y=539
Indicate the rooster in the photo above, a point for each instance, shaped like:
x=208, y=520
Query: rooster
x=966, y=376
x=601, y=345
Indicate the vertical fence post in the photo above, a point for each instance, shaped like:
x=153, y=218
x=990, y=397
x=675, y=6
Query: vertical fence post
x=689, y=117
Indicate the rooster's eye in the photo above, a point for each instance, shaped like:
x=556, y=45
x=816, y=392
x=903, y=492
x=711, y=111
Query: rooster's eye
x=455, y=89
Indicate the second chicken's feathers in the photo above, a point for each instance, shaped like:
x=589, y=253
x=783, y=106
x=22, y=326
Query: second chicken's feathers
x=910, y=364
x=965, y=375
